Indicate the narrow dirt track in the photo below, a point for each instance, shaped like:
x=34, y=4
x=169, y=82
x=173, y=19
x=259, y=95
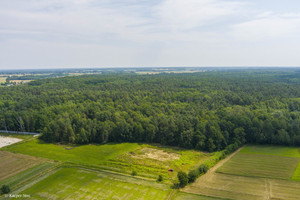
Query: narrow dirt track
x=209, y=173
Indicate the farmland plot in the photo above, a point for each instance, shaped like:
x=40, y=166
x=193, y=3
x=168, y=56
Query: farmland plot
x=12, y=163
x=263, y=161
x=70, y=183
x=256, y=172
x=258, y=165
x=245, y=188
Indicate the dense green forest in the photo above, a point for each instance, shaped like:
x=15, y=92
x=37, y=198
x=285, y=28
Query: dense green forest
x=205, y=111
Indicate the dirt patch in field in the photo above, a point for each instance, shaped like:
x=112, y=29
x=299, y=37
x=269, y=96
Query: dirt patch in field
x=5, y=141
x=155, y=154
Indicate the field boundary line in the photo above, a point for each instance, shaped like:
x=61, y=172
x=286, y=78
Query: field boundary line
x=219, y=164
x=172, y=193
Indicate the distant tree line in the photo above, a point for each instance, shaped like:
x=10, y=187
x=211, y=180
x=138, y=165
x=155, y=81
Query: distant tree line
x=205, y=111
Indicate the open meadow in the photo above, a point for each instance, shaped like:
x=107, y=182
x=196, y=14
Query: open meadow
x=146, y=160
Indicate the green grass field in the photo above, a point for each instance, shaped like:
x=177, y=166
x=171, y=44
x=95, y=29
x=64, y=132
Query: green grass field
x=70, y=183
x=272, y=150
x=84, y=154
x=263, y=161
x=296, y=176
x=125, y=157
x=154, y=160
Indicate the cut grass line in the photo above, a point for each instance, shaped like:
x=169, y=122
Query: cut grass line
x=272, y=150
x=296, y=176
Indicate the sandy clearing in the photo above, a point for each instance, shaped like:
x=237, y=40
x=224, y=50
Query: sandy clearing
x=156, y=154
x=5, y=141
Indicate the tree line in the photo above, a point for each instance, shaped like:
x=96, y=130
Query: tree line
x=205, y=111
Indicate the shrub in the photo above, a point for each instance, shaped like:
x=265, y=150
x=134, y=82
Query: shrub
x=5, y=189
x=133, y=173
x=203, y=169
x=183, y=179
x=193, y=175
x=160, y=178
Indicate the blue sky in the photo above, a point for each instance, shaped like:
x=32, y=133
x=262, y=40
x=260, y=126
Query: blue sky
x=140, y=33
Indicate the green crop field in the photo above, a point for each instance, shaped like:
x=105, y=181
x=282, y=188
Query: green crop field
x=70, y=183
x=263, y=161
x=146, y=160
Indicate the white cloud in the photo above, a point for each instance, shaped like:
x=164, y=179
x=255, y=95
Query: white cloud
x=144, y=33
x=268, y=26
x=189, y=14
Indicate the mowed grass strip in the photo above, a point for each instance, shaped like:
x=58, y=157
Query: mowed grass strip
x=296, y=175
x=11, y=163
x=82, y=154
x=70, y=183
x=259, y=165
x=272, y=150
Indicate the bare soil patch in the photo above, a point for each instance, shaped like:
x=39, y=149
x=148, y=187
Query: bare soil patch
x=155, y=154
x=5, y=141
